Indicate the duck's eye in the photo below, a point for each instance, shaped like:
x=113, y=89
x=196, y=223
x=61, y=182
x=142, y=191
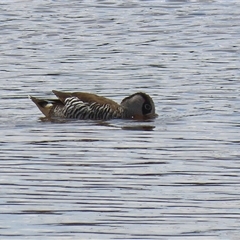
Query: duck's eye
x=147, y=107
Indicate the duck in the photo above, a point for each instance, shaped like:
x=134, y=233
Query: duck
x=82, y=105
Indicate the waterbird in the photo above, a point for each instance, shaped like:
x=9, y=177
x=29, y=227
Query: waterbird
x=82, y=105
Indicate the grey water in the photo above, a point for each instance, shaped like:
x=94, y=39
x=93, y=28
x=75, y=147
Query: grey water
x=174, y=177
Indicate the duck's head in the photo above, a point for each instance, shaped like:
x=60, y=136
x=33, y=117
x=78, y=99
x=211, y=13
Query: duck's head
x=139, y=106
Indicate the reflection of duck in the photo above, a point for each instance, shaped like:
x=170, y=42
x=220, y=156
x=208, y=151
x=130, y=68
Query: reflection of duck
x=79, y=105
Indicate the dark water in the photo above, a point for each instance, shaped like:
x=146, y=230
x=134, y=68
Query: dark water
x=176, y=177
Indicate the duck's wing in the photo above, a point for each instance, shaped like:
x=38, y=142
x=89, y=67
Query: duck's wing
x=87, y=98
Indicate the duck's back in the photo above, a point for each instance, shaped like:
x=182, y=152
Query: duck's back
x=77, y=109
x=81, y=105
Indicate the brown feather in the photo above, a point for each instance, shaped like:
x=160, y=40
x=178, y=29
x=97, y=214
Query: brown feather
x=86, y=97
x=45, y=106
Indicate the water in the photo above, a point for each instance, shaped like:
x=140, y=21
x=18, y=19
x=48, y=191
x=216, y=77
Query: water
x=175, y=177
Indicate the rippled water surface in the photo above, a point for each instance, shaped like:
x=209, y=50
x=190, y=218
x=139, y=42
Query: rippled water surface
x=175, y=177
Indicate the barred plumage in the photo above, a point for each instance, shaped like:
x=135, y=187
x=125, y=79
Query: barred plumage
x=79, y=105
x=77, y=109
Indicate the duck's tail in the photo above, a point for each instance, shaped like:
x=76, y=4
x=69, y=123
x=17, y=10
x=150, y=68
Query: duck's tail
x=44, y=105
